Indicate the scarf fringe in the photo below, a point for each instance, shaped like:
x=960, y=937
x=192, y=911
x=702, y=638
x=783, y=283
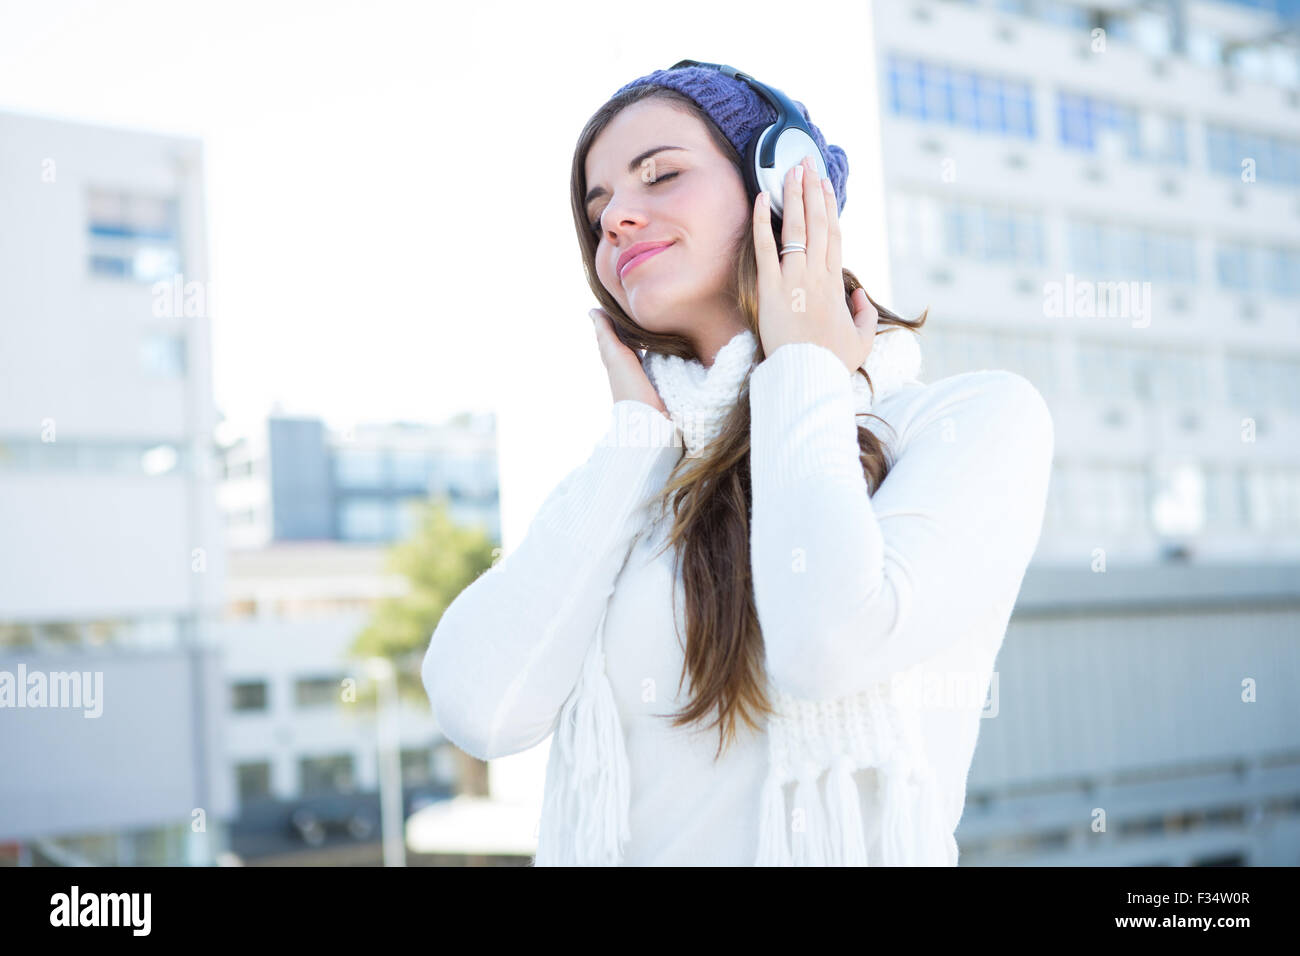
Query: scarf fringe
x=913, y=832
x=581, y=787
x=828, y=829
x=846, y=814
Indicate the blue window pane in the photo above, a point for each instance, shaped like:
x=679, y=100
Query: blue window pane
x=1177, y=143
x=938, y=95
x=1026, y=105
x=1126, y=122
x=1283, y=272
x=1117, y=28
x=990, y=107
x=1230, y=262
x=965, y=102
x=1182, y=260
x=1256, y=148
x=114, y=266
x=955, y=96
x=953, y=232
x=1286, y=164
x=1063, y=14
x=910, y=89
x=1216, y=148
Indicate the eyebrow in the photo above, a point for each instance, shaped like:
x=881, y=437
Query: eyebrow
x=632, y=167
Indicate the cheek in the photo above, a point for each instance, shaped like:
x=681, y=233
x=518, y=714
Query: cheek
x=607, y=272
x=720, y=215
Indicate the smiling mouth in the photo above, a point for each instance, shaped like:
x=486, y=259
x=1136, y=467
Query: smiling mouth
x=637, y=260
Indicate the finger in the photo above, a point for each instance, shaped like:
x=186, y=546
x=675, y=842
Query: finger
x=814, y=202
x=765, y=251
x=793, y=226
x=833, y=261
x=601, y=326
x=865, y=316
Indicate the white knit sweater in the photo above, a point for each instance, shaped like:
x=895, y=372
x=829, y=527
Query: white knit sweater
x=852, y=592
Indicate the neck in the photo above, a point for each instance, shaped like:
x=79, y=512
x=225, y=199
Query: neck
x=709, y=338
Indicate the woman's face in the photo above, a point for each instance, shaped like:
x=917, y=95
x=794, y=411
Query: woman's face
x=690, y=197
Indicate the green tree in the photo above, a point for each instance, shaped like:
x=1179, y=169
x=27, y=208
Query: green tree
x=440, y=560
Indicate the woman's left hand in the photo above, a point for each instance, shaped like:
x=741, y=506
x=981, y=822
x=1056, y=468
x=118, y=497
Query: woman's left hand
x=801, y=295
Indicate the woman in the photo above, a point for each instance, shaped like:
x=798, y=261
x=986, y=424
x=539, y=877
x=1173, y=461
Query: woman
x=800, y=568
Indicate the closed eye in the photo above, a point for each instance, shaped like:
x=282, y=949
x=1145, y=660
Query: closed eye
x=595, y=226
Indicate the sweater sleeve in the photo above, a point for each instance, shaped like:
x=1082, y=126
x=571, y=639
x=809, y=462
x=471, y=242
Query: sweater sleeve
x=850, y=587
x=508, y=650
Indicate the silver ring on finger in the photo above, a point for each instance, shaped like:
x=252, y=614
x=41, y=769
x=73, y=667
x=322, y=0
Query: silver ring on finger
x=793, y=247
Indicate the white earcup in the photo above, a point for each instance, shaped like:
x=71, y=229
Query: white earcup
x=791, y=148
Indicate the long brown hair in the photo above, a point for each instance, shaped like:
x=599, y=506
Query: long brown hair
x=710, y=493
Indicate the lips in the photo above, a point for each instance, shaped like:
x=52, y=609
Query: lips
x=638, y=252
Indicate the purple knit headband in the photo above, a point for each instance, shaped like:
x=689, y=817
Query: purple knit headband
x=740, y=112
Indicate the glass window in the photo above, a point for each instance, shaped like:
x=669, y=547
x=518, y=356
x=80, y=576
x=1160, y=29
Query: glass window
x=133, y=237
x=940, y=93
x=17, y=635
x=1063, y=13
x=360, y=467
x=163, y=353
x=1204, y=46
x=937, y=95
x=1151, y=31
x=365, y=519
x=1263, y=270
x=248, y=696
x=58, y=635
x=988, y=98
x=1273, y=499
x=417, y=766
x=1102, y=251
x=1232, y=264
x=1097, y=125
x=1275, y=157
x=1223, y=498
x=408, y=514
x=253, y=780
x=318, y=691
x=412, y=468
x=159, y=460
x=1175, y=377
x=1282, y=271
x=326, y=774
x=993, y=232
x=965, y=101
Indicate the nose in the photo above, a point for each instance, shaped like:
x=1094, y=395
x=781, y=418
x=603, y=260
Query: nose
x=619, y=219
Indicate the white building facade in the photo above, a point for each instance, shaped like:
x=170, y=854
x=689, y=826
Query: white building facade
x=1077, y=201
x=111, y=561
x=1105, y=198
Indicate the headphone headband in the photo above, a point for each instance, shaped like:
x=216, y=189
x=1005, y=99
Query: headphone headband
x=789, y=135
x=787, y=114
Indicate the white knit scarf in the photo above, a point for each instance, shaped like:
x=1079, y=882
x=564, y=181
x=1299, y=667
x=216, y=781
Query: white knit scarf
x=584, y=818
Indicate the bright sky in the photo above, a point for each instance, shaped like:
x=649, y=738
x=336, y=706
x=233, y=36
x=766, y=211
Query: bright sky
x=388, y=183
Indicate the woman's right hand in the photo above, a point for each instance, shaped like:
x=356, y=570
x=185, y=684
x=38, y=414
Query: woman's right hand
x=627, y=378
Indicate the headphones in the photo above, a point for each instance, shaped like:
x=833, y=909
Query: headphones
x=776, y=149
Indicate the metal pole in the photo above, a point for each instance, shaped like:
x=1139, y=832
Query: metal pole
x=392, y=824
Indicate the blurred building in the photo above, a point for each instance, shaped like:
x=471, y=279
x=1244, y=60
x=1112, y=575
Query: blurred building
x=300, y=743
x=111, y=560
x=309, y=512
x=1025, y=164
x=1105, y=198
x=301, y=481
